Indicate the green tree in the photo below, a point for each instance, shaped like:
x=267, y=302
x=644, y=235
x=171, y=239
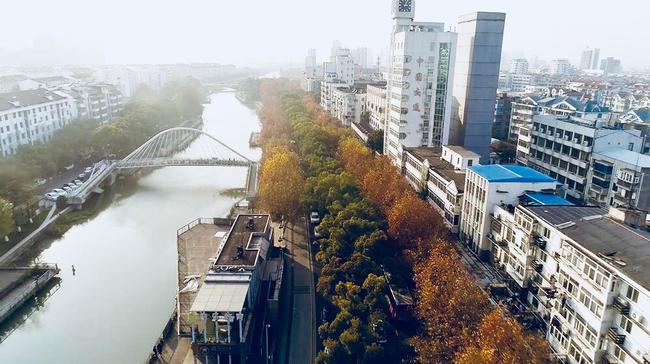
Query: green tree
x=376, y=141
x=6, y=217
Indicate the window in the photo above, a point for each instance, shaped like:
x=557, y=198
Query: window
x=619, y=354
x=591, y=302
x=626, y=324
x=632, y=294
x=596, y=274
x=585, y=330
x=577, y=354
x=568, y=283
x=469, y=163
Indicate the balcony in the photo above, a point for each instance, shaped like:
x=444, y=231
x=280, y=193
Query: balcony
x=539, y=241
x=613, y=335
x=538, y=266
x=622, y=306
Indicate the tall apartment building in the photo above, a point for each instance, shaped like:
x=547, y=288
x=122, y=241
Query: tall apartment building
x=583, y=273
x=502, y=115
x=516, y=82
x=420, y=77
x=360, y=56
x=619, y=177
x=590, y=59
x=519, y=66
x=487, y=186
x=376, y=105
x=31, y=117
x=562, y=147
x=476, y=77
x=611, y=65
x=524, y=109
x=341, y=68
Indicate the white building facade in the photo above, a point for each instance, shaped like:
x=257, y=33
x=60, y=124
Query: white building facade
x=31, y=117
x=422, y=57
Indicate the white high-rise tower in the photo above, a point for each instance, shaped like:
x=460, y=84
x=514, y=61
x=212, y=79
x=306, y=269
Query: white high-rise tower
x=420, y=80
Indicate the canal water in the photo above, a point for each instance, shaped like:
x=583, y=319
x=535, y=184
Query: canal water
x=116, y=304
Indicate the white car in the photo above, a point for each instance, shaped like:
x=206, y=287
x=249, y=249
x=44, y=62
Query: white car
x=59, y=192
x=67, y=189
x=78, y=182
x=52, y=196
x=314, y=218
x=88, y=169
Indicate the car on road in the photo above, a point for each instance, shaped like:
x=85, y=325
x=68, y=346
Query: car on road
x=314, y=218
x=59, y=192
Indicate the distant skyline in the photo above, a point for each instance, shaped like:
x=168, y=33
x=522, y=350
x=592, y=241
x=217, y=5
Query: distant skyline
x=253, y=32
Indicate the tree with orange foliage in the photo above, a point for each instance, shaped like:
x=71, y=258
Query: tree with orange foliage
x=412, y=219
x=383, y=184
x=502, y=340
x=356, y=157
x=449, y=305
x=281, y=182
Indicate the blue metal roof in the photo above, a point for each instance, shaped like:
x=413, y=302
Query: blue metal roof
x=546, y=199
x=510, y=173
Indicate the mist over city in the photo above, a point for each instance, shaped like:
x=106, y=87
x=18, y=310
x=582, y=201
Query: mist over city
x=292, y=182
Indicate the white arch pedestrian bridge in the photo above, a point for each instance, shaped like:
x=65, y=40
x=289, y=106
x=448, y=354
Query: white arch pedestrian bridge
x=169, y=148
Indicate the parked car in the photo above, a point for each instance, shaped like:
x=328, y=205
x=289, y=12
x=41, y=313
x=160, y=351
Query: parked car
x=52, y=196
x=314, y=218
x=59, y=192
x=317, y=233
x=88, y=169
x=67, y=189
x=78, y=182
x=71, y=185
x=82, y=176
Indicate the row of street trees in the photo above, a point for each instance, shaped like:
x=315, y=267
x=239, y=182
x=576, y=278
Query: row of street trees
x=374, y=222
x=86, y=141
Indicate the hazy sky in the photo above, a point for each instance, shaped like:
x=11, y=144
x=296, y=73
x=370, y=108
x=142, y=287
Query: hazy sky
x=257, y=31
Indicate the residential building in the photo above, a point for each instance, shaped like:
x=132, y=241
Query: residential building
x=229, y=284
x=584, y=274
x=619, y=177
x=376, y=105
x=102, y=102
x=526, y=108
x=562, y=147
x=439, y=174
x=502, y=115
x=31, y=117
x=519, y=66
x=476, y=77
x=348, y=103
x=638, y=119
x=560, y=67
x=420, y=78
x=611, y=65
x=360, y=56
x=327, y=89
x=590, y=59
x=516, y=82
x=487, y=186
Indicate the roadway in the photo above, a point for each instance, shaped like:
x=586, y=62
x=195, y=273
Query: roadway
x=301, y=343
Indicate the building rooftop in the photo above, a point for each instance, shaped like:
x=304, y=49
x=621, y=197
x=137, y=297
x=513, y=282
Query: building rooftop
x=462, y=151
x=444, y=168
x=510, y=173
x=19, y=99
x=623, y=247
x=627, y=156
x=544, y=199
x=242, y=245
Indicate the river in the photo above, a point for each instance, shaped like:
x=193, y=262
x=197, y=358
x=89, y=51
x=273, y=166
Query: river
x=115, y=306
